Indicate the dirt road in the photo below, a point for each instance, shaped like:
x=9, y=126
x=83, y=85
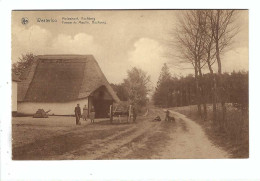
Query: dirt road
x=146, y=139
x=190, y=141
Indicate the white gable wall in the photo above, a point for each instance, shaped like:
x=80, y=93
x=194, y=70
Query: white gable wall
x=14, y=96
x=61, y=108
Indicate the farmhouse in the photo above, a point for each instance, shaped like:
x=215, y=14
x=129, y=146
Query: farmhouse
x=60, y=82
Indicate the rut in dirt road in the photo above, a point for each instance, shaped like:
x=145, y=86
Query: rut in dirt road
x=140, y=141
x=190, y=141
x=130, y=145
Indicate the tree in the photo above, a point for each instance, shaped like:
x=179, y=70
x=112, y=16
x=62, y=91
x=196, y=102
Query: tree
x=237, y=86
x=190, y=38
x=202, y=36
x=120, y=91
x=163, y=91
x=222, y=29
x=23, y=63
x=137, y=85
x=209, y=58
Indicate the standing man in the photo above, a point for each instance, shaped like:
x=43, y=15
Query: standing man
x=77, y=114
x=134, y=114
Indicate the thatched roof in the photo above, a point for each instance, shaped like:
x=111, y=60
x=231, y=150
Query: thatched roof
x=62, y=78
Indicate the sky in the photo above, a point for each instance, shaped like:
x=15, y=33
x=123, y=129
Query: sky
x=119, y=40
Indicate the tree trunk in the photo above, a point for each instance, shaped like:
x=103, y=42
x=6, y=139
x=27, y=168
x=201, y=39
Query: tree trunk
x=205, y=114
x=189, y=96
x=214, y=101
x=220, y=68
x=202, y=95
x=214, y=85
x=181, y=100
x=214, y=92
x=198, y=92
x=222, y=99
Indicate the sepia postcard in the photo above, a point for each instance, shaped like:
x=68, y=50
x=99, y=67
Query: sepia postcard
x=130, y=84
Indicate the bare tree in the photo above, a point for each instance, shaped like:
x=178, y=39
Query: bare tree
x=202, y=36
x=190, y=36
x=210, y=59
x=222, y=31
